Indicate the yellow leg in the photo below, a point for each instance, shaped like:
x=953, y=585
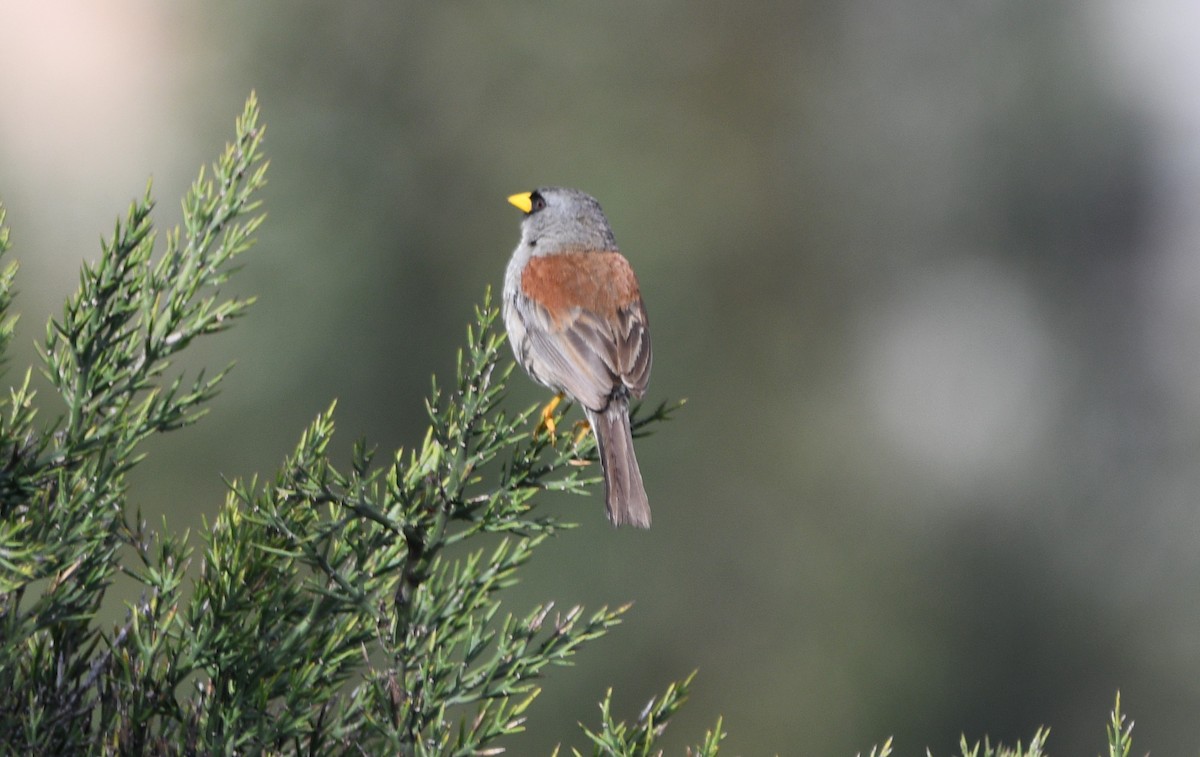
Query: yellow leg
x=547, y=422
x=581, y=431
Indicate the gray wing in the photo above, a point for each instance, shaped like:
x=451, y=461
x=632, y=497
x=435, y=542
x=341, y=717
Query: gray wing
x=587, y=358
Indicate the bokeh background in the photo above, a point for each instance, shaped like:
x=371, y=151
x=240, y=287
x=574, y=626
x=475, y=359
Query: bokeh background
x=926, y=272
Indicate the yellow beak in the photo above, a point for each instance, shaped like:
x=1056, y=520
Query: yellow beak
x=523, y=200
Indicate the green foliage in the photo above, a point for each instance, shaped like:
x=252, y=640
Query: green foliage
x=328, y=610
x=616, y=738
x=64, y=530
x=1120, y=739
x=1119, y=742
x=985, y=748
x=883, y=750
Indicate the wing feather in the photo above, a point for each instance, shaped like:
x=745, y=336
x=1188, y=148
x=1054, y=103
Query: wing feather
x=585, y=357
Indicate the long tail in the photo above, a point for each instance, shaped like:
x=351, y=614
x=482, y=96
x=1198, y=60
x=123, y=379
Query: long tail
x=624, y=494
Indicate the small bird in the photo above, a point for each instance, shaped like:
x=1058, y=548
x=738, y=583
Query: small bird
x=576, y=322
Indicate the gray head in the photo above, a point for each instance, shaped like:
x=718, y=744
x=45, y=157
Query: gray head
x=557, y=218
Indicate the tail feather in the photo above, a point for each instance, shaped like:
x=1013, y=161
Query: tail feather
x=624, y=494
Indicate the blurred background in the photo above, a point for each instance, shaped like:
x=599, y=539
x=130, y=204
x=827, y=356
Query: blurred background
x=926, y=272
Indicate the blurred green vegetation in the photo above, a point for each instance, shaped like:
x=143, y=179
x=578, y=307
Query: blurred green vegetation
x=926, y=274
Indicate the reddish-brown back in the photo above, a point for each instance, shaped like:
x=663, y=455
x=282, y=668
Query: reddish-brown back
x=600, y=282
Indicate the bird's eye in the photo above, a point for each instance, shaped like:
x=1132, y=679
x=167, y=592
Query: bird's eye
x=537, y=202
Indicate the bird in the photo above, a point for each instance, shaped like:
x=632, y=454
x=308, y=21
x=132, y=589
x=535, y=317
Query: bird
x=576, y=322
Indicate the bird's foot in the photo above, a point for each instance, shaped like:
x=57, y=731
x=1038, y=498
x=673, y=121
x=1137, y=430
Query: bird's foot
x=581, y=431
x=548, y=423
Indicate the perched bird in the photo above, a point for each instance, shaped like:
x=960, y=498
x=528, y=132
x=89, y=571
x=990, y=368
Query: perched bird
x=577, y=325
